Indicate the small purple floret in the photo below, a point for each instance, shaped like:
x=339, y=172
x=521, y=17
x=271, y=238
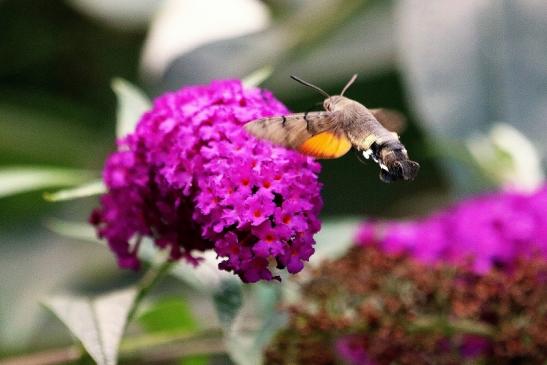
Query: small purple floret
x=351, y=351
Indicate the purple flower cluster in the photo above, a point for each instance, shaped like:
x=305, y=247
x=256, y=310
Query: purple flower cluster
x=351, y=351
x=491, y=230
x=192, y=179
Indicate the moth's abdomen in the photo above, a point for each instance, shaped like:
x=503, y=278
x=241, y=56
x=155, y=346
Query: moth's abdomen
x=393, y=159
x=400, y=170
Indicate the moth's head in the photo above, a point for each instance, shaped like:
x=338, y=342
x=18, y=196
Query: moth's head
x=335, y=102
x=331, y=103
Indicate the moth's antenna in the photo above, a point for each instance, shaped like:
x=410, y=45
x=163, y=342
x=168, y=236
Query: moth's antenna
x=310, y=85
x=353, y=78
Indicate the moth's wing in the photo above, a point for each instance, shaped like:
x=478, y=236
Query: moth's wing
x=287, y=130
x=290, y=130
x=312, y=133
x=327, y=144
x=390, y=119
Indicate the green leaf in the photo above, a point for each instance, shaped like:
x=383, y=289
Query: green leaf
x=206, y=277
x=228, y=299
x=92, y=188
x=98, y=323
x=132, y=103
x=195, y=360
x=269, y=297
x=335, y=238
x=33, y=124
x=254, y=324
x=168, y=314
x=507, y=157
x=449, y=326
x=20, y=179
x=257, y=77
x=250, y=324
x=468, y=65
x=82, y=231
x=311, y=34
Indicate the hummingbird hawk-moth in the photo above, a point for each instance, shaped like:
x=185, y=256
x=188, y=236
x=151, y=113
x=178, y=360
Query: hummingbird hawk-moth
x=331, y=133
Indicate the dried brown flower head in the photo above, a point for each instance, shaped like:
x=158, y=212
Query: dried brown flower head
x=369, y=307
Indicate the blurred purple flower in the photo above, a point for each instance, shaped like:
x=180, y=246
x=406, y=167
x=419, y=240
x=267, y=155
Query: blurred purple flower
x=474, y=346
x=351, y=351
x=192, y=180
x=486, y=231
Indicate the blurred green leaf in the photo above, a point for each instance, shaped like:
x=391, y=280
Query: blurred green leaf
x=206, y=277
x=168, y=314
x=82, y=231
x=507, y=157
x=48, y=131
x=132, y=103
x=449, y=326
x=269, y=298
x=335, y=238
x=99, y=322
x=195, y=360
x=123, y=15
x=19, y=179
x=470, y=64
x=257, y=77
x=228, y=299
x=172, y=314
x=254, y=324
x=250, y=314
x=92, y=188
x=305, y=27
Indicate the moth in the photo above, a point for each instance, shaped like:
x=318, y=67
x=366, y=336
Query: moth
x=331, y=133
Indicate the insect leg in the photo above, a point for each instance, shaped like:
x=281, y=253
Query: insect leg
x=362, y=156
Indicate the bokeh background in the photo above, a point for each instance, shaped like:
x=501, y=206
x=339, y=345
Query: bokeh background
x=455, y=68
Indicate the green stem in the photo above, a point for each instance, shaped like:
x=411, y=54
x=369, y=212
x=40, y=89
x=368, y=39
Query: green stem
x=134, y=344
x=447, y=326
x=457, y=151
x=148, y=281
x=155, y=347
